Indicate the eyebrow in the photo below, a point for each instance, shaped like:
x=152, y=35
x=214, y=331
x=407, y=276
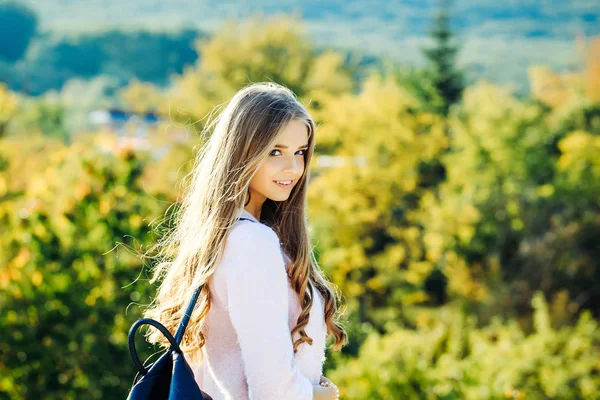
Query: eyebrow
x=285, y=147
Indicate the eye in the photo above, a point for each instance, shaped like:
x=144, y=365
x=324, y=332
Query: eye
x=303, y=152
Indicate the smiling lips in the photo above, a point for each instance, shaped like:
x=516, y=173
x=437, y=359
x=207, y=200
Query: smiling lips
x=284, y=184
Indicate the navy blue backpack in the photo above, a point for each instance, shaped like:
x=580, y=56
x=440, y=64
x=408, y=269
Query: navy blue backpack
x=170, y=377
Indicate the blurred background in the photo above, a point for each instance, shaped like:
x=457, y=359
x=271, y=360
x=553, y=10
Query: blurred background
x=454, y=196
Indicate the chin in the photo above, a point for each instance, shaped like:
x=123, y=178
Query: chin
x=280, y=197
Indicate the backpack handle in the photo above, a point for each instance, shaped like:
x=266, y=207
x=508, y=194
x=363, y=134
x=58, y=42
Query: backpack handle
x=131, y=339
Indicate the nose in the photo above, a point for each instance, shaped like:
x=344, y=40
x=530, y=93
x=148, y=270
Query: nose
x=293, y=166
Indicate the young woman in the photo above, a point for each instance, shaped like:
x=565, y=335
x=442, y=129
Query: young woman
x=265, y=311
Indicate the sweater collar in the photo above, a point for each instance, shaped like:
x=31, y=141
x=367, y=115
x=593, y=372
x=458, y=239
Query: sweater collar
x=246, y=214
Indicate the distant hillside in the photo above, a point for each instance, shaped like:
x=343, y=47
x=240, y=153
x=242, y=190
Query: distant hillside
x=500, y=39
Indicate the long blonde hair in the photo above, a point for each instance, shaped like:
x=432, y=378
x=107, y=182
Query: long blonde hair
x=217, y=190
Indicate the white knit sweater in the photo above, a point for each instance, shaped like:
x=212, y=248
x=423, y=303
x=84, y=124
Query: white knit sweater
x=249, y=350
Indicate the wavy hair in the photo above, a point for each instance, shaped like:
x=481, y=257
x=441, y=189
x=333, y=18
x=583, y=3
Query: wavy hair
x=214, y=195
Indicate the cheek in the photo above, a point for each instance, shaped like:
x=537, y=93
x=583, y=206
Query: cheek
x=265, y=174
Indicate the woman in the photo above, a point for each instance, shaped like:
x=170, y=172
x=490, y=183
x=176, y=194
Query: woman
x=259, y=327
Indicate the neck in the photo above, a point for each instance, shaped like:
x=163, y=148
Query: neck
x=255, y=212
x=255, y=204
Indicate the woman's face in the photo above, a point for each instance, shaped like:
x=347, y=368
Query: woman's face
x=284, y=163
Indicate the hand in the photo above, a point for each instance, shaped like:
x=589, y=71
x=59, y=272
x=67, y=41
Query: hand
x=324, y=392
x=325, y=382
x=325, y=379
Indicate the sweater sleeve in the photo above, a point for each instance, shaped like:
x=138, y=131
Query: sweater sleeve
x=257, y=291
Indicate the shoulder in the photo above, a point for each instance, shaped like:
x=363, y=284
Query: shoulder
x=246, y=235
x=253, y=253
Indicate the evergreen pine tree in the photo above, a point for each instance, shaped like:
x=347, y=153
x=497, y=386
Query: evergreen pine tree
x=445, y=77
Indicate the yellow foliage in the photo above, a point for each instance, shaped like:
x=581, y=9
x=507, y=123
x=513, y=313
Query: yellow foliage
x=407, y=207
x=142, y=97
x=578, y=147
x=37, y=278
x=382, y=142
x=557, y=90
x=580, y=159
x=591, y=72
x=256, y=50
x=554, y=89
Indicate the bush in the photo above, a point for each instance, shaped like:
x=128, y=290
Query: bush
x=448, y=357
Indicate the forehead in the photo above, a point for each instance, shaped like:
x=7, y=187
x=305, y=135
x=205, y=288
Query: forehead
x=294, y=134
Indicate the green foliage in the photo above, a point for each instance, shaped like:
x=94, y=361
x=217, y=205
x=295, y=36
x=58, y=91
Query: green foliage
x=64, y=292
x=506, y=206
x=363, y=211
x=8, y=107
x=515, y=212
x=442, y=71
x=465, y=244
x=144, y=55
x=448, y=357
x=43, y=115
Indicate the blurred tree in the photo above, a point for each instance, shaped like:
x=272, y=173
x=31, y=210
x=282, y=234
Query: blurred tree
x=24, y=153
x=475, y=221
x=592, y=70
x=564, y=89
x=510, y=219
x=64, y=292
x=148, y=56
x=18, y=22
x=122, y=56
x=363, y=211
x=80, y=97
x=432, y=225
x=142, y=97
x=447, y=357
x=8, y=107
x=442, y=71
x=419, y=83
x=255, y=51
x=552, y=89
x=44, y=115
